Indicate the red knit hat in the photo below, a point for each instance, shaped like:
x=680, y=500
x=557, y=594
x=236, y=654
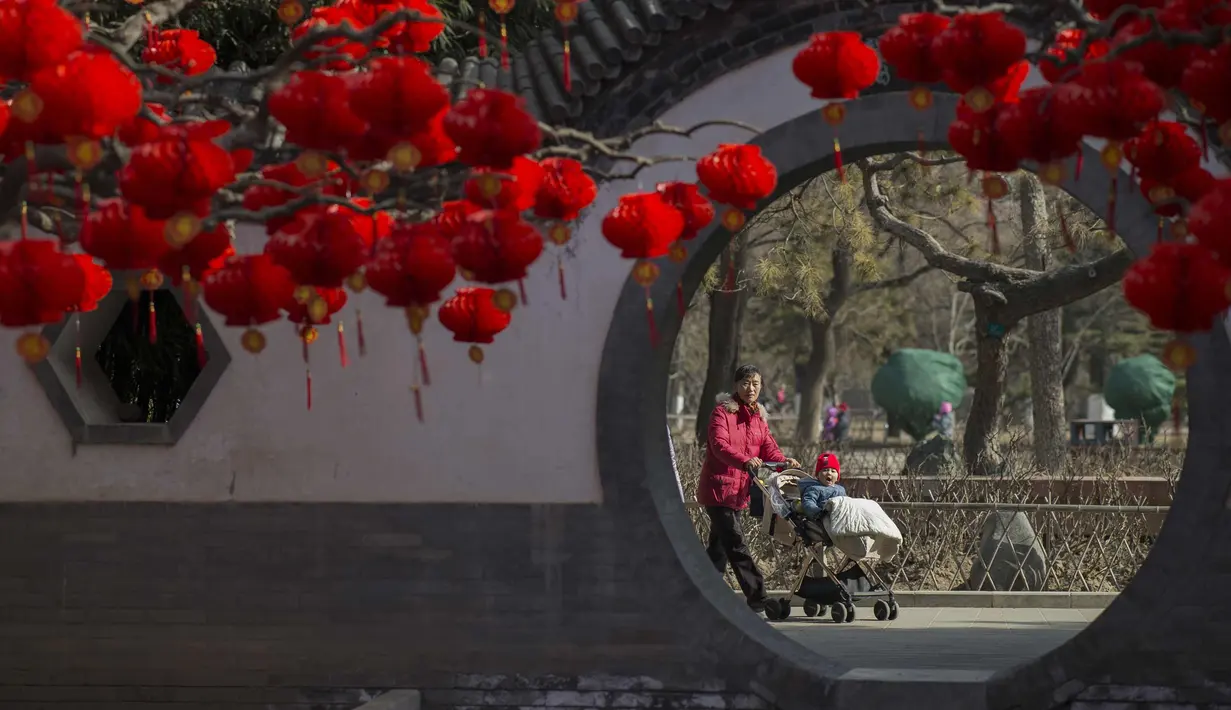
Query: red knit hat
x=828, y=460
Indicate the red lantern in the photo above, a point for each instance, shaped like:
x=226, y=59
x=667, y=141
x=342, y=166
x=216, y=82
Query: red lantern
x=1163, y=150
x=192, y=261
x=398, y=95
x=36, y=35
x=123, y=237
x=908, y=49
x=1180, y=286
x=348, y=51
x=1110, y=99
x=491, y=128
x=643, y=226
x=453, y=216
x=97, y=284
x=513, y=190
x=414, y=36
x=1029, y=129
x=321, y=245
x=315, y=108
x=38, y=283
x=1057, y=62
x=411, y=267
x=497, y=246
x=261, y=197
x=1209, y=217
x=974, y=51
x=90, y=95
x=249, y=290
x=140, y=130
x=566, y=13
x=1163, y=63
x=564, y=191
x=1190, y=185
x=836, y=66
x=739, y=176
x=1207, y=82
x=474, y=316
x=179, y=50
x=687, y=199
x=975, y=137
x=181, y=170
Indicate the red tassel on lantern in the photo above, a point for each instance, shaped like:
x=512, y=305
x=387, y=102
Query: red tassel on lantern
x=503, y=8
x=834, y=114
x=646, y=273
x=307, y=336
x=202, y=357
x=363, y=343
x=342, y=357
x=994, y=188
x=566, y=13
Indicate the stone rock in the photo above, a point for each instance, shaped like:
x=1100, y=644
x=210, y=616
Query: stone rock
x=1010, y=558
x=934, y=456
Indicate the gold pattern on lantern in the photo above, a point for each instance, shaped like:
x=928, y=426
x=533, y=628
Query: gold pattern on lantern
x=476, y=354
x=357, y=282
x=1224, y=133
x=309, y=334
x=415, y=317
x=1179, y=230
x=405, y=157
x=84, y=153
x=290, y=11
x=182, y=229
x=645, y=273
x=566, y=11
x=1160, y=193
x=505, y=300
x=1179, y=355
x=559, y=234
x=979, y=99
x=921, y=98
x=1112, y=155
x=151, y=280
x=312, y=164
x=302, y=294
x=1052, y=174
x=318, y=310
x=733, y=219
x=994, y=187
x=27, y=106
x=678, y=252
x=834, y=113
x=375, y=181
x=253, y=340
x=466, y=274
x=33, y=347
x=490, y=185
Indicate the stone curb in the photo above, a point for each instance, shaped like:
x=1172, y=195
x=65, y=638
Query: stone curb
x=394, y=700
x=996, y=600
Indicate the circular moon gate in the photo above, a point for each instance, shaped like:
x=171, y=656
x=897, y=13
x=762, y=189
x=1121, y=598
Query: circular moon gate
x=1164, y=631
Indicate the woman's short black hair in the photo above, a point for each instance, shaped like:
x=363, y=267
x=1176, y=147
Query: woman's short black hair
x=743, y=372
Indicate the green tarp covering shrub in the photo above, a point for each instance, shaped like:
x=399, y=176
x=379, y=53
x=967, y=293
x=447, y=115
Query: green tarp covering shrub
x=1140, y=388
x=914, y=383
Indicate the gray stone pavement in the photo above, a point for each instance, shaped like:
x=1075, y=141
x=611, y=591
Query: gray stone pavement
x=946, y=638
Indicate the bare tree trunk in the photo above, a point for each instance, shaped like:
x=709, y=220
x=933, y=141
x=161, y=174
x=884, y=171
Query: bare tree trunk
x=726, y=322
x=979, y=446
x=1043, y=337
x=815, y=377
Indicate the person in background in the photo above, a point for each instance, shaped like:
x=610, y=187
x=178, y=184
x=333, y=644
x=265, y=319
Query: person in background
x=813, y=493
x=943, y=421
x=739, y=442
x=829, y=430
x=781, y=397
x=842, y=425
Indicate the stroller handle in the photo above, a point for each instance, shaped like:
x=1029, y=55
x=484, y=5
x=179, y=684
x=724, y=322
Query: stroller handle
x=775, y=465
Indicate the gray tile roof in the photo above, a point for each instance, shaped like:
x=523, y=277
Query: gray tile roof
x=608, y=35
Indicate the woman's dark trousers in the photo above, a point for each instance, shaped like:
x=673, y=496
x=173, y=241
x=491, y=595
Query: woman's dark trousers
x=727, y=545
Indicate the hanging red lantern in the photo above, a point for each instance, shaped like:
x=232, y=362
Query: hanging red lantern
x=739, y=176
x=347, y=51
x=975, y=136
x=90, y=95
x=1163, y=150
x=1190, y=185
x=249, y=290
x=321, y=245
x=1028, y=126
x=1162, y=62
x=453, y=216
x=315, y=108
x=564, y=191
x=1207, y=83
x=139, y=129
x=192, y=261
x=261, y=197
x=427, y=148
x=179, y=50
x=515, y=189
x=566, y=13
x=411, y=267
x=497, y=246
x=121, y=236
x=907, y=48
x=398, y=95
x=177, y=175
x=697, y=212
x=502, y=8
x=836, y=66
x=413, y=36
x=1208, y=219
x=977, y=49
x=643, y=226
x=1057, y=62
x=477, y=315
x=38, y=283
x=491, y=128
x=1181, y=287
x=36, y=35
x=97, y=284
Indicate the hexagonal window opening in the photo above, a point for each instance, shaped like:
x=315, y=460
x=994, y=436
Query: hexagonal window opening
x=151, y=375
x=129, y=390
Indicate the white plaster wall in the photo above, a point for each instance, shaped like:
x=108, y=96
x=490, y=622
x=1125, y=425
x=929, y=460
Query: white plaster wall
x=525, y=433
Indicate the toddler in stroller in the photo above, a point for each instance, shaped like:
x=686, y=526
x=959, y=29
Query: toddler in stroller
x=816, y=516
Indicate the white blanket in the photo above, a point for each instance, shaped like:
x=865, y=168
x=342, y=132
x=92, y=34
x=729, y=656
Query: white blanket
x=861, y=529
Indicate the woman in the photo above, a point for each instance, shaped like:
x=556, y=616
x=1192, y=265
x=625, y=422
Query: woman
x=739, y=443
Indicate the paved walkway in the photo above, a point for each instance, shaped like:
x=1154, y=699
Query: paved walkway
x=939, y=638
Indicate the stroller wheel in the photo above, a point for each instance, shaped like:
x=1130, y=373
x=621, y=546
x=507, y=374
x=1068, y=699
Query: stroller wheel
x=777, y=609
x=850, y=612
x=837, y=612
x=893, y=610
x=813, y=609
x=881, y=610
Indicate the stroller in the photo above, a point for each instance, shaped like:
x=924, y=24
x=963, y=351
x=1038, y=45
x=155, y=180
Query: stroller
x=854, y=577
